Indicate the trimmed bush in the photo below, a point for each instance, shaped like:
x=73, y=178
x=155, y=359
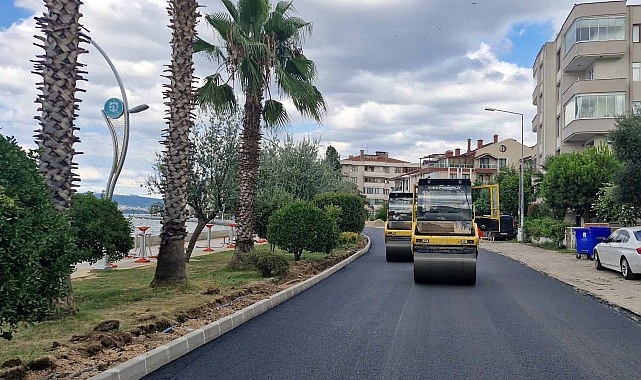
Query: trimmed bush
x=302, y=226
x=546, y=227
x=269, y=264
x=37, y=247
x=348, y=238
x=353, y=214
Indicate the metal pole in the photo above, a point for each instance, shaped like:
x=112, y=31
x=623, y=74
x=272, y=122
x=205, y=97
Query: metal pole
x=519, y=233
x=521, y=190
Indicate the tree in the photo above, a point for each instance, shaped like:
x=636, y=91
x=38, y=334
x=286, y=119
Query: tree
x=37, y=245
x=100, y=228
x=608, y=206
x=572, y=180
x=352, y=215
x=213, y=177
x=59, y=69
x=156, y=208
x=262, y=48
x=381, y=213
x=626, y=141
x=332, y=158
x=302, y=226
x=171, y=266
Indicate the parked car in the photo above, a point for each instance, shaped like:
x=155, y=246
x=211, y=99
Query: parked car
x=621, y=251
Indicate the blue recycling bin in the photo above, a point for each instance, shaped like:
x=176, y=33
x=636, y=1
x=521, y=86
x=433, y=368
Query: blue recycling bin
x=585, y=242
x=600, y=234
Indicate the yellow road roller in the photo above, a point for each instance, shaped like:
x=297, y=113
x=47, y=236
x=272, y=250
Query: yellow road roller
x=398, y=228
x=445, y=237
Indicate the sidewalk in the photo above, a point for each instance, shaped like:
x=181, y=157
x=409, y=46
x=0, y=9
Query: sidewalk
x=606, y=285
x=84, y=269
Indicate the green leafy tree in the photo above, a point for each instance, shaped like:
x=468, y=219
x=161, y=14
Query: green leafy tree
x=626, y=141
x=269, y=200
x=381, y=213
x=608, y=206
x=261, y=48
x=301, y=226
x=572, y=180
x=171, y=266
x=352, y=210
x=37, y=247
x=213, y=180
x=156, y=208
x=332, y=158
x=100, y=228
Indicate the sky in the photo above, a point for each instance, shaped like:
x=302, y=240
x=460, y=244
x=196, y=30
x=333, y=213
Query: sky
x=409, y=77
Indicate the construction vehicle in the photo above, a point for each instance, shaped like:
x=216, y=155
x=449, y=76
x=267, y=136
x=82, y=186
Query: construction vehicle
x=445, y=237
x=494, y=226
x=398, y=228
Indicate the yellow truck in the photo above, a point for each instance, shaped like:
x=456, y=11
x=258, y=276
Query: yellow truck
x=445, y=237
x=398, y=228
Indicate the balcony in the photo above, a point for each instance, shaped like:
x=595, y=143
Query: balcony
x=583, y=54
x=594, y=86
x=582, y=130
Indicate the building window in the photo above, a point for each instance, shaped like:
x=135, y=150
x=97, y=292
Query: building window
x=636, y=71
x=636, y=30
x=636, y=107
x=452, y=176
x=484, y=163
x=369, y=169
x=594, y=106
x=595, y=29
x=502, y=163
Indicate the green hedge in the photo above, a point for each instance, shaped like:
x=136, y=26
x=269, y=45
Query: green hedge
x=546, y=227
x=352, y=210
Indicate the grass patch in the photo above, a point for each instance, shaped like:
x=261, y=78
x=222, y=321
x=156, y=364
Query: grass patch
x=125, y=295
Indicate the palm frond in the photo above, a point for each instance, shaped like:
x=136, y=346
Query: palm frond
x=213, y=52
x=305, y=96
x=252, y=15
x=301, y=67
x=231, y=8
x=215, y=96
x=251, y=77
x=221, y=23
x=274, y=114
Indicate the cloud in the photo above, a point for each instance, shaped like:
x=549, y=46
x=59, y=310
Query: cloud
x=408, y=77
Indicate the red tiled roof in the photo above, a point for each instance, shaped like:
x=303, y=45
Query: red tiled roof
x=377, y=159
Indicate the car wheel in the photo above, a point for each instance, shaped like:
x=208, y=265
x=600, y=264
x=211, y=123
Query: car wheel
x=625, y=269
x=597, y=261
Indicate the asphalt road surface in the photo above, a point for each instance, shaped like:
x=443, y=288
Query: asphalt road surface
x=370, y=321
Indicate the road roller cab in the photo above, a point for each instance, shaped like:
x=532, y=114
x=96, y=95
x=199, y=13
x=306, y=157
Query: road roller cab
x=445, y=237
x=398, y=228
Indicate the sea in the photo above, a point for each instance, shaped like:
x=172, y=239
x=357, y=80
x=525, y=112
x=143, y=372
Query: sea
x=153, y=222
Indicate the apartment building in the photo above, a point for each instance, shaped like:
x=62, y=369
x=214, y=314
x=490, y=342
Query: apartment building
x=372, y=174
x=586, y=77
x=480, y=164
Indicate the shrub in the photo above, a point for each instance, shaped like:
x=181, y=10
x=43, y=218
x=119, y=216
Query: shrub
x=381, y=213
x=37, y=248
x=302, y=226
x=100, y=228
x=353, y=214
x=269, y=264
x=348, y=238
x=546, y=227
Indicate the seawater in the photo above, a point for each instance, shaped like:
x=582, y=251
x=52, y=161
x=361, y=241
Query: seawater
x=153, y=222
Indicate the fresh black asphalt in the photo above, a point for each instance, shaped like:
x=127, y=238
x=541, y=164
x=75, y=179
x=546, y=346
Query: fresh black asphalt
x=370, y=321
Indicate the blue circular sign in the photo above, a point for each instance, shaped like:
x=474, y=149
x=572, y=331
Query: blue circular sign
x=114, y=108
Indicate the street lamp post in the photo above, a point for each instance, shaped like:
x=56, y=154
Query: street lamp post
x=116, y=114
x=519, y=233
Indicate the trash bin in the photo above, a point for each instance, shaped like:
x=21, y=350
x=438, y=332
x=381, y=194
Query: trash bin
x=585, y=242
x=600, y=234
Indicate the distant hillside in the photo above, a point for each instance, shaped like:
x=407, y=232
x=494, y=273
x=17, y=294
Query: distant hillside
x=134, y=202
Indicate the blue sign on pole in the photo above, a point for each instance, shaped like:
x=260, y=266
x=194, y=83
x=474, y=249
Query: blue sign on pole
x=114, y=108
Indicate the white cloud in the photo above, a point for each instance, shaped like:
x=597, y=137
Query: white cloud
x=405, y=77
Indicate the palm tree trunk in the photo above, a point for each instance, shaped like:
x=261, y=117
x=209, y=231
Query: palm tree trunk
x=171, y=267
x=248, y=178
x=59, y=69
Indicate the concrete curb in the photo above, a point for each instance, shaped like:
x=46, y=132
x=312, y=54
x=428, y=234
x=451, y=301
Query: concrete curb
x=150, y=361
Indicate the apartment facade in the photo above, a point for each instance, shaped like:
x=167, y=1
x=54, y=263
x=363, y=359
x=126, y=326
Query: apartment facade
x=479, y=164
x=373, y=173
x=586, y=77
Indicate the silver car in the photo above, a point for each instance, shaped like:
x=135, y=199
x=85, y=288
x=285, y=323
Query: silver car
x=621, y=252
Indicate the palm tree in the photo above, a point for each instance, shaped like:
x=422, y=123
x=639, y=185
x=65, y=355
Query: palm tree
x=171, y=266
x=59, y=69
x=262, y=47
